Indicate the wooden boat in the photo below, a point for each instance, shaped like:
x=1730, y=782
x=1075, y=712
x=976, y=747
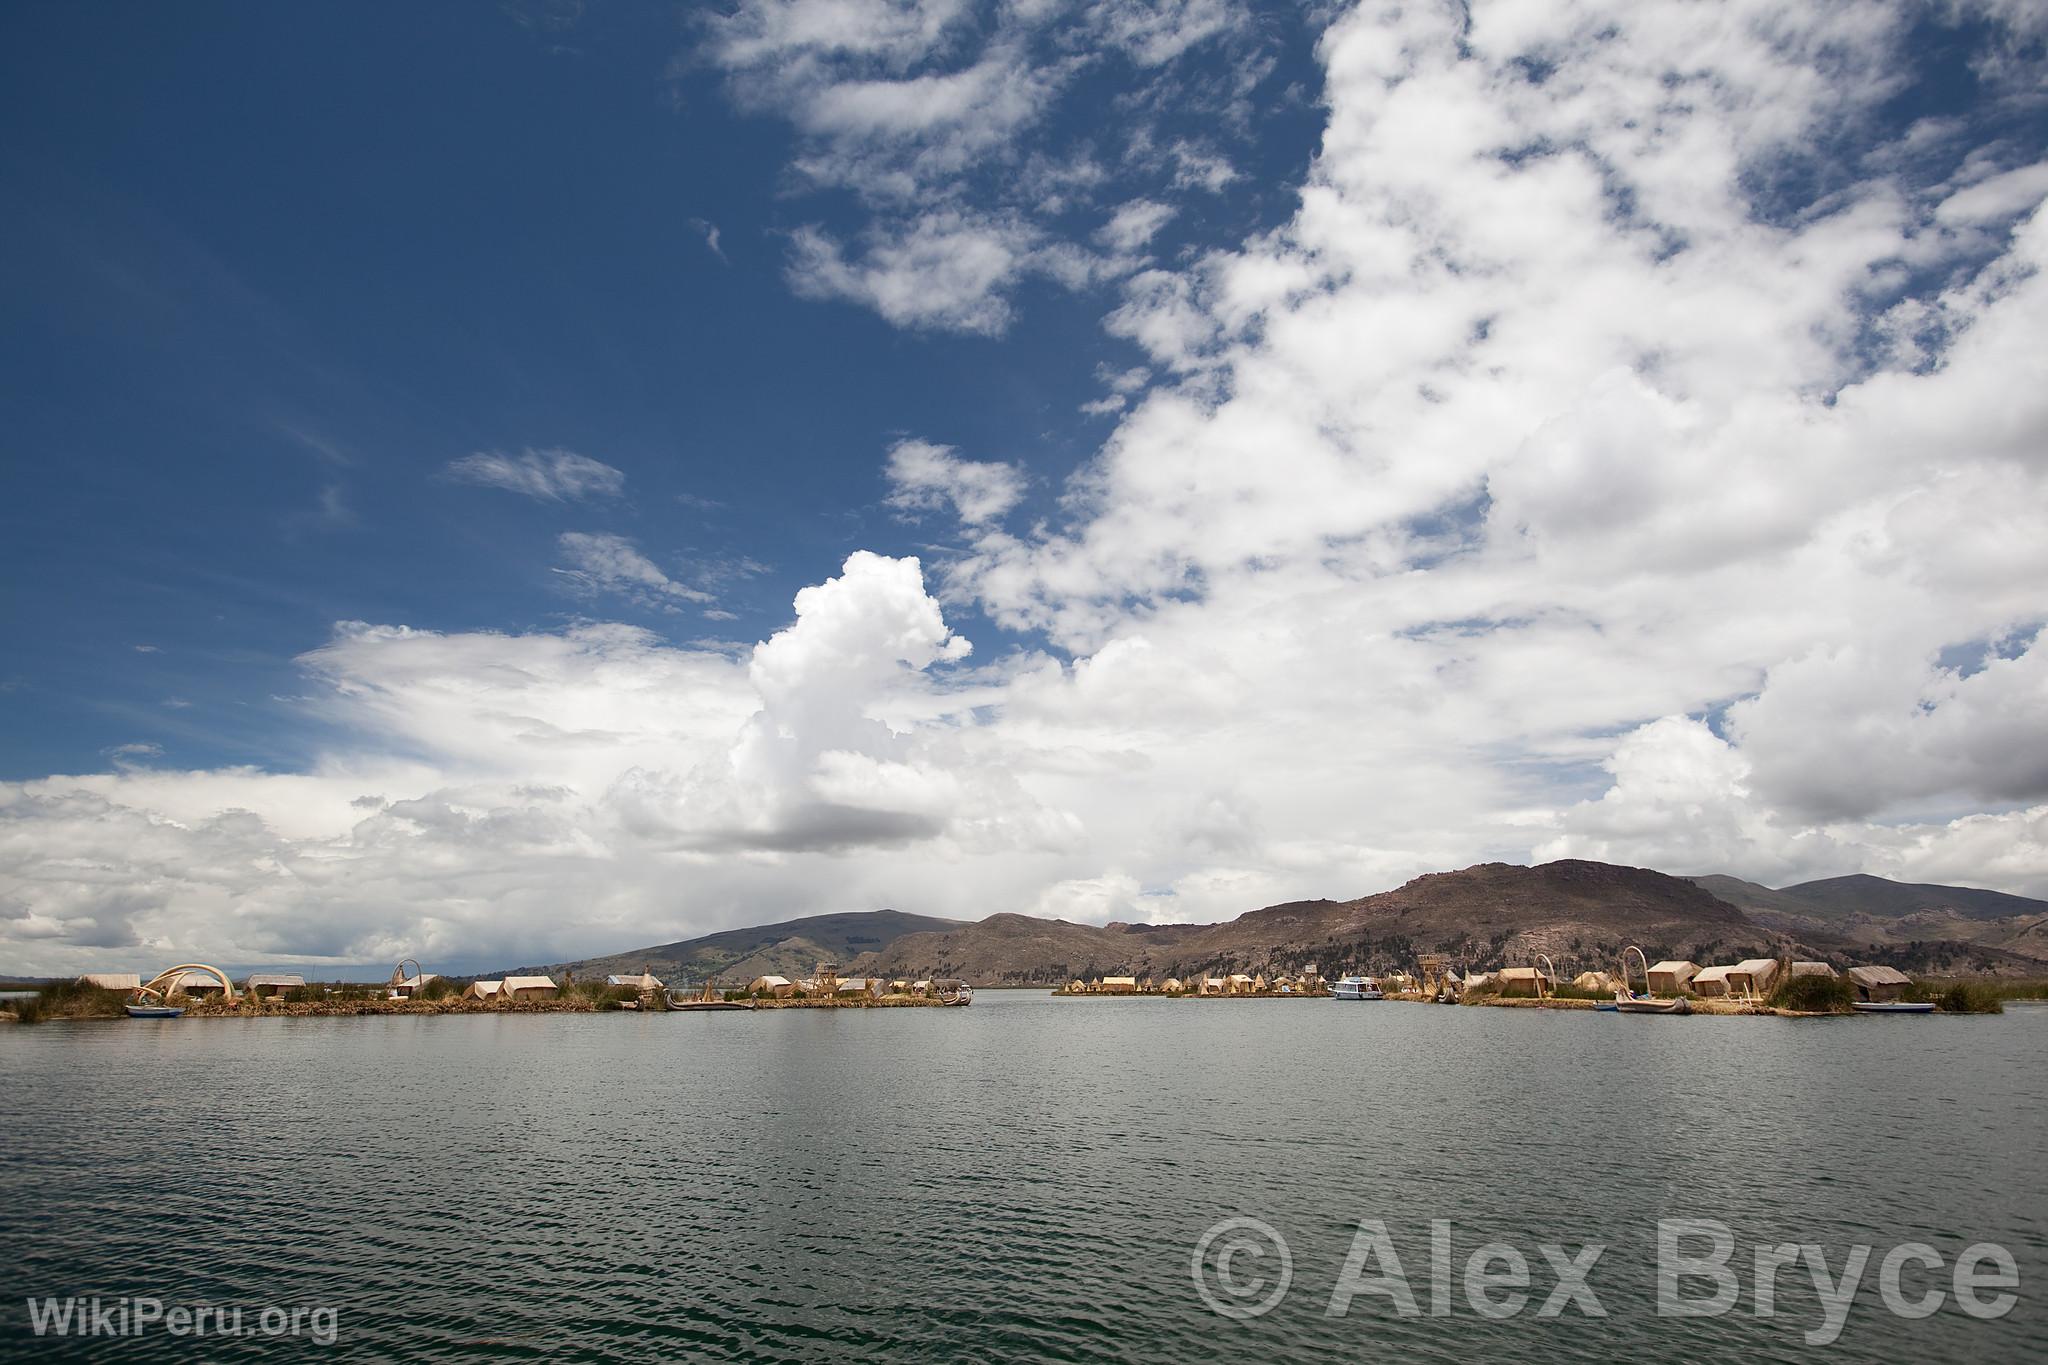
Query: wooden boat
x=154, y=1011
x=1893, y=1006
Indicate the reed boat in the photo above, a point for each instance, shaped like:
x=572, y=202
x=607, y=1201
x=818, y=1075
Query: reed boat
x=1643, y=1004
x=1626, y=1001
x=709, y=998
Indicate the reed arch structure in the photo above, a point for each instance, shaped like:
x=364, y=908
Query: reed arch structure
x=165, y=983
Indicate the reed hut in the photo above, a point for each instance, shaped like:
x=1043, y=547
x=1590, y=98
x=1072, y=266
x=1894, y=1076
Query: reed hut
x=1712, y=982
x=1173, y=983
x=859, y=987
x=112, y=981
x=1799, y=969
x=483, y=990
x=1237, y=983
x=774, y=987
x=1119, y=985
x=529, y=988
x=1753, y=977
x=1524, y=981
x=272, y=985
x=1879, y=985
x=1593, y=981
x=1673, y=977
x=639, y=981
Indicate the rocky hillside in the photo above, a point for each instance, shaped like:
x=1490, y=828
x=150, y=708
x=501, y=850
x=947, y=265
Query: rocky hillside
x=1581, y=913
x=791, y=948
x=1917, y=926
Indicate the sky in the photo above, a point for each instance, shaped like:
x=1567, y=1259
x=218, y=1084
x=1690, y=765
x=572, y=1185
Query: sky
x=499, y=483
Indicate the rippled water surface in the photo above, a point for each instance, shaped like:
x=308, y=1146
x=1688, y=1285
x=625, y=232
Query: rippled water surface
x=1025, y=1179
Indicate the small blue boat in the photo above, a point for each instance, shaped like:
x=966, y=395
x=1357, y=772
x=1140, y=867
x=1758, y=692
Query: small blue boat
x=1607, y=1007
x=154, y=1011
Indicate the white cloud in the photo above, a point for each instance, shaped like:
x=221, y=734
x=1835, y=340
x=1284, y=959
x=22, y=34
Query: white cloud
x=549, y=475
x=927, y=477
x=709, y=232
x=1134, y=224
x=947, y=271
x=603, y=563
x=939, y=118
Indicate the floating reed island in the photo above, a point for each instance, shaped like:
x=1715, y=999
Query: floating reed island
x=1307, y=984
x=200, y=990
x=1785, y=987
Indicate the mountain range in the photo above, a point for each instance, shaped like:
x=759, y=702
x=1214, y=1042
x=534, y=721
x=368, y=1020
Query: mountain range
x=1580, y=913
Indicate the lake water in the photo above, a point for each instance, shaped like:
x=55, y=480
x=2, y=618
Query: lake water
x=1024, y=1179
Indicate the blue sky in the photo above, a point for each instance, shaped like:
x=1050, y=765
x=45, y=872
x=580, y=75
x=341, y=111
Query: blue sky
x=273, y=268
x=507, y=482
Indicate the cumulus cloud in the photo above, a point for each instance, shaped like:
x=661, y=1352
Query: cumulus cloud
x=547, y=475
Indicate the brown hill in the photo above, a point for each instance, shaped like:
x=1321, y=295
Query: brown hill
x=1580, y=913
x=1921, y=927
x=791, y=948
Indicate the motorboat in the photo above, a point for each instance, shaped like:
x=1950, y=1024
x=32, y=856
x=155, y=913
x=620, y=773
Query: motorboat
x=1358, y=988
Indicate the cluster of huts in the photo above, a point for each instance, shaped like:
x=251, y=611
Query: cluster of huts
x=825, y=983
x=1307, y=982
x=1755, y=978
x=1751, y=979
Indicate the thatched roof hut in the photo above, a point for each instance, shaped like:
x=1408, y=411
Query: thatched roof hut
x=529, y=988
x=1813, y=969
x=1593, y=981
x=271, y=985
x=483, y=990
x=112, y=981
x=639, y=981
x=775, y=987
x=1524, y=981
x=1711, y=981
x=1753, y=976
x=1672, y=977
x=1879, y=984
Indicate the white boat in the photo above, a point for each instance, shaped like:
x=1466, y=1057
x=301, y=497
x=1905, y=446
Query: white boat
x=1893, y=1006
x=1358, y=988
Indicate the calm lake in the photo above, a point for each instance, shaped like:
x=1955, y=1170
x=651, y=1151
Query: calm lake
x=1024, y=1179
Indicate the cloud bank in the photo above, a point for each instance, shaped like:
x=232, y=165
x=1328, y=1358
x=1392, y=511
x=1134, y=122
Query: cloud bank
x=1631, y=448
